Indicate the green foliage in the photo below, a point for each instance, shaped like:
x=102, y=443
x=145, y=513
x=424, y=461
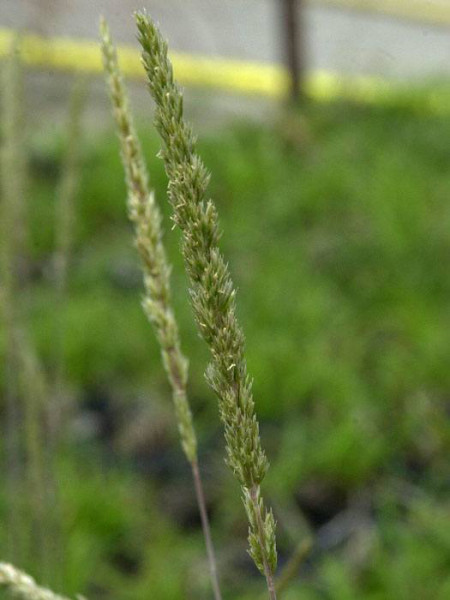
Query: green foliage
x=337, y=228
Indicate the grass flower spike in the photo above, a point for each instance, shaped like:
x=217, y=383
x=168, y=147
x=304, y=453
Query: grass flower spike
x=23, y=586
x=212, y=294
x=146, y=217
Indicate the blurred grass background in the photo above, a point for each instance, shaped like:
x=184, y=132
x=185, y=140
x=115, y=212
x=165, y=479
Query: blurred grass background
x=337, y=229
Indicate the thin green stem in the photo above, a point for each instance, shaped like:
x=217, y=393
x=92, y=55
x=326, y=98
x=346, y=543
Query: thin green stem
x=206, y=529
x=12, y=166
x=292, y=567
x=65, y=222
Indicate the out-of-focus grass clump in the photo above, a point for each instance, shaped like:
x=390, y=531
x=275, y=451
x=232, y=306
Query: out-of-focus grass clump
x=337, y=229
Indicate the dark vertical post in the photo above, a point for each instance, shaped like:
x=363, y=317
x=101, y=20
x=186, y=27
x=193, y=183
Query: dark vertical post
x=293, y=43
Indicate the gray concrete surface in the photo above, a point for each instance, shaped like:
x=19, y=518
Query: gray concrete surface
x=338, y=40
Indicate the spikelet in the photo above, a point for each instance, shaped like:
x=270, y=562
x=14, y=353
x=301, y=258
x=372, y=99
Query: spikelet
x=212, y=293
x=23, y=586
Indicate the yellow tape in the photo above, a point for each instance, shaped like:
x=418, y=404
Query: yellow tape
x=425, y=11
x=68, y=54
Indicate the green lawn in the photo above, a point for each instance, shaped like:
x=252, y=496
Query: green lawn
x=337, y=230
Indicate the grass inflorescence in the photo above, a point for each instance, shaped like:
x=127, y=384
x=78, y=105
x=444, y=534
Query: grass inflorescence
x=212, y=294
x=146, y=217
x=21, y=585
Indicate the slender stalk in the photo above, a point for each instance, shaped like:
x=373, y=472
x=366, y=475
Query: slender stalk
x=212, y=294
x=292, y=567
x=61, y=405
x=11, y=246
x=25, y=392
x=65, y=217
x=145, y=215
x=33, y=392
x=205, y=526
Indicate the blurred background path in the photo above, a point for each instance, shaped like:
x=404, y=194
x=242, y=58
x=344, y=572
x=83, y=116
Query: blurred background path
x=336, y=221
x=338, y=38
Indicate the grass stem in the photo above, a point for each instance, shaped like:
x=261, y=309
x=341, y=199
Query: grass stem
x=145, y=215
